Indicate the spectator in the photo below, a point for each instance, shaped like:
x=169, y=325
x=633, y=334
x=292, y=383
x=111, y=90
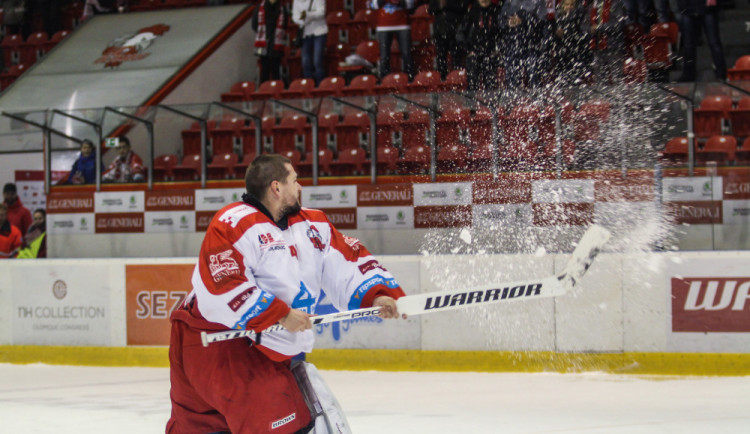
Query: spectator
x=637, y=11
x=18, y=215
x=607, y=27
x=449, y=15
x=393, y=20
x=127, y=167
x=35, y=241
x=524, y=40
x=269, y=23
x=695, y=14
x=10, y=236
x=479, y=34
x=84, y=168
x=310, y=15
x=572, y=53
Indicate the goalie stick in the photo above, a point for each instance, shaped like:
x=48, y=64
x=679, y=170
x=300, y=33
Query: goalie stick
x=580, y=261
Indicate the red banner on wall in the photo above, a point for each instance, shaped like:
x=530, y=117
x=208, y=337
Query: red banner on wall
x=116, y=222
x=695, y=212
x=152, y=293
x=170, y=200
x=711, y=304
x=342, y=218
x=385, y=195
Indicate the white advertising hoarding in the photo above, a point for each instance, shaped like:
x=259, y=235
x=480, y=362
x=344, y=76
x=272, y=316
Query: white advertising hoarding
x=321, y=197
x=119, y=201
x=82, y=223
x=385, y=217
x=443, y=193
x=691, y=189
x=562, y=191
x=169, y=221
x=214, y=199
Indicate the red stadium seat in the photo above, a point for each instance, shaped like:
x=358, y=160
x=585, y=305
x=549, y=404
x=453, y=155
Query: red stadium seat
x=241, y=167
x=11, y=46
x=480, y=159
x=522, y=123
x=742, y=154
x=222, y=136
x=361, y=85
x=635, y=71
x=330, y=86
x=741, y=69
x=55, y=39
x=416, y=160
x=335, y=56
x=740, y=118
x=421, y=24
x=711, y=114
x=720, y=149
x=588, y=120
x=191, y=138
x=453, y=159
x=299, y=88
x=189, y=169
x=350, y=162
x=425, y=82
x=354, y=131
x=660, y=44
x=239, y=91
x=325, y=157
x=33, y=49
x=163, y=165
x=675, y=152
x=368, y=50
x=480, y=128
x=362, y=26
x=414, y=129
x=387, y=157
x=519, y=155
x=338, y=32
x=270, y=89
x=247, y=134
x=222, y=166
x=450, y=126
x=389, y=125
x=8, y=77
x=455, y=81
x=424, y=56
x=396, y=82
x=289, y=134
x=548, y=157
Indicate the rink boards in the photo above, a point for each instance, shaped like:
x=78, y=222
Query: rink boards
x=670, y=313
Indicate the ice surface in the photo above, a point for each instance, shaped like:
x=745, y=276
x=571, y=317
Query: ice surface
x=66, y=399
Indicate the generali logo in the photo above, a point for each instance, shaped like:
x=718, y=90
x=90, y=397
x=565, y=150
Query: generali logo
x=65, y=203
x=711, y=304
x=171, y=200
x=119, y=222
x=131, y=46
x=391, y=194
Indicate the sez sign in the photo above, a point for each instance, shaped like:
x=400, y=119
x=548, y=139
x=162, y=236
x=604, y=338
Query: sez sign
x=711, y=304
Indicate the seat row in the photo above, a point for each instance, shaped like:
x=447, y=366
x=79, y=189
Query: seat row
x=718, y=115
x=724, y=150
x=17, y=51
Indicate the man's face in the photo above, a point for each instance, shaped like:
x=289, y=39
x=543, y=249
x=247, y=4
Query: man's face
x=484, y=3
x=86, y=149
x=38, y=218
x=9, y=197
x=122, y=150
x=290, y=191
x=3, y=216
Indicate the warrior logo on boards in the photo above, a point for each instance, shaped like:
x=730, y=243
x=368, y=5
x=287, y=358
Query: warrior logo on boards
x=131, y=46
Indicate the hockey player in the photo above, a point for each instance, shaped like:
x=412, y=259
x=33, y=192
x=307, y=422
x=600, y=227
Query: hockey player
x=264, y=260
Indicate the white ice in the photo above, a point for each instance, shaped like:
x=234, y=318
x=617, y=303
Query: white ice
x=66, y=399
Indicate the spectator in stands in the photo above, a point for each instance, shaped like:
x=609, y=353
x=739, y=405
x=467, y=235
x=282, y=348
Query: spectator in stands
x=448, y=17
x=695, y=14
x=310, y=15
x=525, y=40
x=127, y=167
x=572, y=53
x=35, y=241
x=607, y=29
x=270, y=23
x=84, y=168
x=637, y=11
x=478, y=35
x=18, y=215
x=393, y=20
x=10, y=236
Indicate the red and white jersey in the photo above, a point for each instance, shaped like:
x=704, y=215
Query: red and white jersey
x=391, y=14
x=250, y=272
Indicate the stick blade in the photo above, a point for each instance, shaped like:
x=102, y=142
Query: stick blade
x=583, y=255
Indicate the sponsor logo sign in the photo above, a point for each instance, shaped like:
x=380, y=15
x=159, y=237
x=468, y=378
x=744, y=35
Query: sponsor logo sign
x=695, y=212
x=448, y=216
x=627, y=190
x=61, y=305
x=385, y=217
x=563, y=214
x=445, y=193
x=170, y=200
x=691, y=189
x=711, y=304
x=169, y=221
x=324, y=197
x=213, y=199
x=119, y=222
x=119, y=201
x=736, y=187
x=203, y=219
x=503, y=191
x=152, y=293
x=342, y=218
x=563, y=191
x=514, y=215
x=71, y=223
x=736, y=211
x=385, y=195
x=70, y=203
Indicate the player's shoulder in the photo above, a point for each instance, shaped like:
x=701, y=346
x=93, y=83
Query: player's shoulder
x=309, y=215
x=239, y=217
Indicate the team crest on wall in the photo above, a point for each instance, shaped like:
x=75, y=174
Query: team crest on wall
x=132, y=46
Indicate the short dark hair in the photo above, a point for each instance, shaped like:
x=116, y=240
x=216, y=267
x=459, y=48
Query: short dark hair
x=263, y=171
x=10, y=188
x=41, y=210
x=123, y=141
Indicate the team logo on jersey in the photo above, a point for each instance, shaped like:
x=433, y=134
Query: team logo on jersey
x=265, y=239
x=238, y=301
x=315, y=238
x=222, y=265
x=370, y=265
